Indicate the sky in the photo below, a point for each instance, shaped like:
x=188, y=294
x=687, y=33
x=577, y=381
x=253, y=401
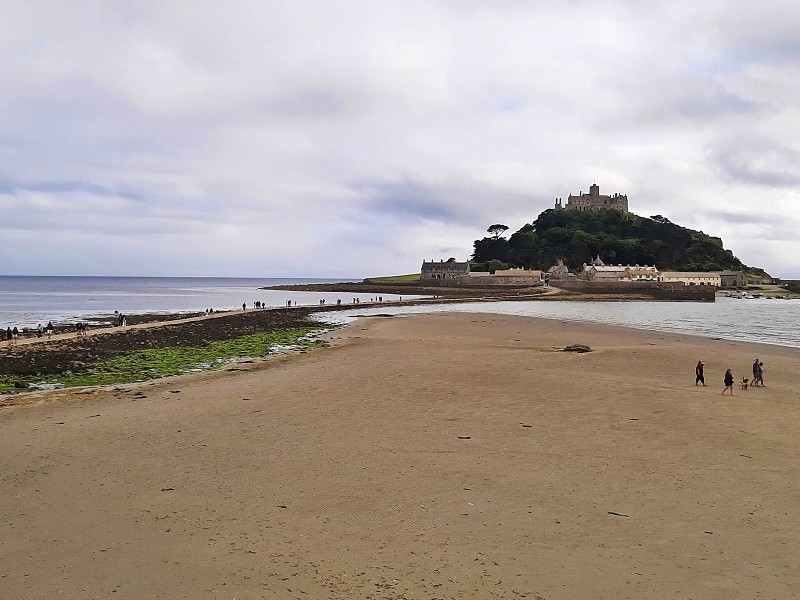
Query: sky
x=257, y=138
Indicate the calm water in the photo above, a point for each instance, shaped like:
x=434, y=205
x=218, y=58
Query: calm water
x=759, y=320
x=28, y=301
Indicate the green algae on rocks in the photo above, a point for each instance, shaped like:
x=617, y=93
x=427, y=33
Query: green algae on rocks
x=150, y=363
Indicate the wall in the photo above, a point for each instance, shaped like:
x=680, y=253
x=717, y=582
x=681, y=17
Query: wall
x=514, y=280
x=653, y=289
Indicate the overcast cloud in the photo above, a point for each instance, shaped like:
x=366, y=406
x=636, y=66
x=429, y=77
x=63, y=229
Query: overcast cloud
x=356, y=138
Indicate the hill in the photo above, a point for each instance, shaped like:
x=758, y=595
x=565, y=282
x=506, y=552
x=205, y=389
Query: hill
x=577, y=237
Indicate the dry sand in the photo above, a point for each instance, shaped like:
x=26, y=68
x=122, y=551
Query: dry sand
x=340, y=473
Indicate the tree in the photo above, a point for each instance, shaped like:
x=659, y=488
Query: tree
x=491, y=248
x=496, y=265
x=497, y=230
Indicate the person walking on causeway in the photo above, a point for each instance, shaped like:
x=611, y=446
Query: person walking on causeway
x=698, y=371
x=728, y=382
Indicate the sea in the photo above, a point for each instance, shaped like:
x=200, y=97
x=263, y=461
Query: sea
x=27, y=301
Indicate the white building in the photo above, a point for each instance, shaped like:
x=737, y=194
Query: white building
x=691, y=277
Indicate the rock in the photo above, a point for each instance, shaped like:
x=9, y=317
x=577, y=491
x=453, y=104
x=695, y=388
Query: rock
x=580, y=348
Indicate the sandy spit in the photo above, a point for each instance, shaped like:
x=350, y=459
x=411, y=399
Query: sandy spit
x=438, y=456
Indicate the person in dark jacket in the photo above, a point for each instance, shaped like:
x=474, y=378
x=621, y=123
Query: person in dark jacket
x=728, y=382
x=698, y=371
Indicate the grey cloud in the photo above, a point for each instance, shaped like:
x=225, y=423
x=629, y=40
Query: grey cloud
x=704, y=104
x=744, y=218
x=451, y=203
x=763, y=32
x=768, y=226
x=57, y=187
x=407, y=199
x=761, y=163
x=308, y=103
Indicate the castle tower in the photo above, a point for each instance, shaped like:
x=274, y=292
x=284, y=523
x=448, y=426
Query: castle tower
x=594, y=190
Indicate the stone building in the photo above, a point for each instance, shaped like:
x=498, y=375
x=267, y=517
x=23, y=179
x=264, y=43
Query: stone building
x=732, y=279
x=598, y=271
x=450, y=269
x=594, y=201
x=691, y=277
x=558, y=272
x=516, y=277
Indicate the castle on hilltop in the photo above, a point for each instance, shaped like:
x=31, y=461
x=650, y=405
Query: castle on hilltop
x=594, y=201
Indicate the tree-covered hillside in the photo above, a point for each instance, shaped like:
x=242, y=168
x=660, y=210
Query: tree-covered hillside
x=577, y=237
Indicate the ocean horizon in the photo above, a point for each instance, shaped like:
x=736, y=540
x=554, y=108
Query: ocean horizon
x=28, y=300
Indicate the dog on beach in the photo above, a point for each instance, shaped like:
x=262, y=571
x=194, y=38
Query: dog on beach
x=745, y=380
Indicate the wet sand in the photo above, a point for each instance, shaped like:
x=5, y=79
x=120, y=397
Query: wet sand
x=442, y=456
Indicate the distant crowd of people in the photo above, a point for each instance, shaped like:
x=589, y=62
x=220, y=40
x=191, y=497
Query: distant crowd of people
x=121, y=320
x=324, y=302
x=13, y=335
x=81, y=328
x=729, y=380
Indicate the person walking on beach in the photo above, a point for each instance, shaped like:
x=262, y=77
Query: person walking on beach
x=49, y=328
x=755, y=374
x=761, y=374
x=698, y=371
x=9, y=337
x=39, y=330
x=728, y=382
x=15, y=334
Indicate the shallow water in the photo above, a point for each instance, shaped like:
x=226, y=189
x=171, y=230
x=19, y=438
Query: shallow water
x=758, y=320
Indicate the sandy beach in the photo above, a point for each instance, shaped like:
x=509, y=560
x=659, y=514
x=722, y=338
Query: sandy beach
x=436, y=456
